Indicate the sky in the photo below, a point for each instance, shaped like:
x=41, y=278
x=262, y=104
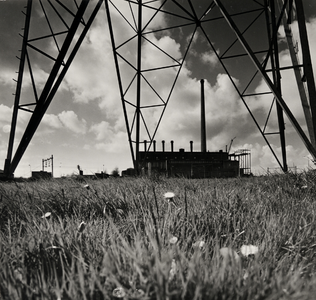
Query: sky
x=85, y=126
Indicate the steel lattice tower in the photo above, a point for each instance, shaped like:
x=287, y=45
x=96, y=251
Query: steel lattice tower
x=141, y=99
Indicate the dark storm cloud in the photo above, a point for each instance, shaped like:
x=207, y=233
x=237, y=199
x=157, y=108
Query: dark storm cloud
x=11, y=24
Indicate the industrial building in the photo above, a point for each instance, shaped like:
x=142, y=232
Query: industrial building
x=203, y=164
x=195, y=164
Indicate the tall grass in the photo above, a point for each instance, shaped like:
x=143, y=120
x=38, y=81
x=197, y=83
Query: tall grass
x=134, y=244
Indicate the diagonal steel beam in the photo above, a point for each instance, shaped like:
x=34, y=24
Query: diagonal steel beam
x=275, y=63
x=53, y=82
x=18, y=89
x=307, y=61
x=268, y=81
x=298, y=75
x=119, y=79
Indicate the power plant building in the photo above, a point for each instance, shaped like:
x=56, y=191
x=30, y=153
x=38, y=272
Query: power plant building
x=194, y=164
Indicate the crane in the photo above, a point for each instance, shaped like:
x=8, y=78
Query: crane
x=230, y=145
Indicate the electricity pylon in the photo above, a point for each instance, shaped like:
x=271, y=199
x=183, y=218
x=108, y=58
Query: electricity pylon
x=229, y=28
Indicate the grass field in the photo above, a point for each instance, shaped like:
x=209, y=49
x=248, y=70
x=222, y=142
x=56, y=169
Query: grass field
x=137, y=244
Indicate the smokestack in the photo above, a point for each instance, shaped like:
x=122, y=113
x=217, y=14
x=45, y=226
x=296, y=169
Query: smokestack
x=171, y=146
x=191, y=146
x=154, y=144
x=145, y=145
x=163, y=146
x=203, y=129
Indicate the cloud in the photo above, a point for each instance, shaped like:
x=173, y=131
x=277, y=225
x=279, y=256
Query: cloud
x=95, y=60
x=6, y=76
x=6, y=128
x=5, y=113
x=153, y=57
x=109, y=139
x=117, y=144
x=195, y=38
x=6, y=118
x=102, y=130
x=92, y=76
x=40, y=77
x=226, y=116
x=262, y=158
x=52, y=120
x=209, y=58
x=311, y=32
x=65, y=120
x=98, y=85
x=71, y=121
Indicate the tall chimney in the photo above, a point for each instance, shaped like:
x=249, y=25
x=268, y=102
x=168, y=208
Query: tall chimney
x=191, y=146
x=203, y=129
x=163, y=146
x=171, y=146
x=154, y=145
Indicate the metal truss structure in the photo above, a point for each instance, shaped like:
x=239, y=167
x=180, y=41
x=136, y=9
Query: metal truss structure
x=146, y=21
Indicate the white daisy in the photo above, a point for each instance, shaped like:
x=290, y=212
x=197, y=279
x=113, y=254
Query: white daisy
x=247, y=250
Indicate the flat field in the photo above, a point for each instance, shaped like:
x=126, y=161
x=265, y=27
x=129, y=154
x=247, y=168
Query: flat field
x=242, y=238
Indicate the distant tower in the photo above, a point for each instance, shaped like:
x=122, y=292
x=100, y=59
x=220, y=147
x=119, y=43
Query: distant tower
x=203, y=126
